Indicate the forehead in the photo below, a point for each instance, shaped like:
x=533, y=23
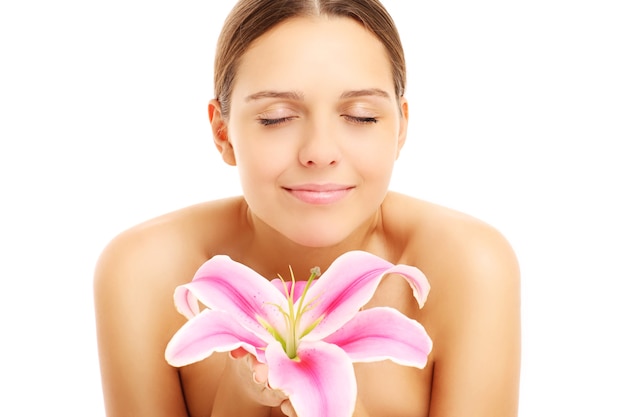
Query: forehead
x=310, y=52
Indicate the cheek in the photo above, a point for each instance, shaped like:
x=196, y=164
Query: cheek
x=253, y=154
x=375, y=159
x=255, y=167
x=258, y=162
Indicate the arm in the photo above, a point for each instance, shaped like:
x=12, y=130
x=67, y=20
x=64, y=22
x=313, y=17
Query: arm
x=478, y=350
x=134, y=318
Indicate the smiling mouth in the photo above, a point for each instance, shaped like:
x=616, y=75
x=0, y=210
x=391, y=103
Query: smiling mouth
x=319, y=194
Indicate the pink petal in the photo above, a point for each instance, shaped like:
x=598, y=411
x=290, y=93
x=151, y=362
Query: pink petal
x=209, y=332
x=320, y=383
x=186, y=303
x=383, y=333
x=348, y=284
x=416, y=279
x=223, y=284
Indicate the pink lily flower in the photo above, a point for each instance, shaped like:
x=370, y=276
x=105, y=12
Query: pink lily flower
x=308, y=333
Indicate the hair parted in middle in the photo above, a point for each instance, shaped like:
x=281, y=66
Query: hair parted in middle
x=250, y=19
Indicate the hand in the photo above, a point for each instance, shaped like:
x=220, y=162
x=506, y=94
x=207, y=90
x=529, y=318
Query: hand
x=253, y=377
x=268, y=396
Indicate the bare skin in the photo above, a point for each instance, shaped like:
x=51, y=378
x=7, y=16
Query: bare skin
x=472, y=313
x=313, y=105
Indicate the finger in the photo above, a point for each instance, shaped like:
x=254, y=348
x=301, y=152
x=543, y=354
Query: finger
x=259, y=380
x=238, y=353
x=260, y=372
x=288, y=409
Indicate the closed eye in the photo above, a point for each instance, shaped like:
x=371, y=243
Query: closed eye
x=360, y=120
x=274, y=122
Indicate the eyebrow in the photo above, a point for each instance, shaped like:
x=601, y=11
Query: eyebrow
x=364, y=93
x=289, y=95
x=298, y=96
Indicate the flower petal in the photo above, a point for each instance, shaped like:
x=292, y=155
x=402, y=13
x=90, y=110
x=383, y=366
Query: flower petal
x=348, y=284
x=186, y=303
x=320, y=382
x=226, y=285
x=208, y=332
x=416, y=279
x=383, y=333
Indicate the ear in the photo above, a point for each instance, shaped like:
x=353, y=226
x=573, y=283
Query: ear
x=220, y=133
x=404, y=124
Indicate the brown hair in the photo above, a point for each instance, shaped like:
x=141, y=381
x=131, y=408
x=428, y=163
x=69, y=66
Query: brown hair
x=250, y=19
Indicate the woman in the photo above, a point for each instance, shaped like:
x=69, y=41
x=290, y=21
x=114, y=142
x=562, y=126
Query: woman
x=309, y=106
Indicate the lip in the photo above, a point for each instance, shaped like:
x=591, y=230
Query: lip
x=319, y=194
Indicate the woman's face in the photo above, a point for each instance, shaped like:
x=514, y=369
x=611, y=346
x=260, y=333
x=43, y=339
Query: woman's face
x=315, y=128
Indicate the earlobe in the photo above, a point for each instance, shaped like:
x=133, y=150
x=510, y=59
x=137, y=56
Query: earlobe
x=220, y=133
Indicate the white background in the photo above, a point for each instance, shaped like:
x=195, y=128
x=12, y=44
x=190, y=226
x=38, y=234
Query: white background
x=518, y=116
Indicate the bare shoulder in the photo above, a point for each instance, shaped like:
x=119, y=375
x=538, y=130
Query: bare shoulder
x=134, y=282
x=441, y=238
x=165, y=250
x=467, y=260
x=172, y=237
x=473, y=309
x=146, y=262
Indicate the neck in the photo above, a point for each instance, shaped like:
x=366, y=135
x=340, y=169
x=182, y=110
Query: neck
x=271, y=253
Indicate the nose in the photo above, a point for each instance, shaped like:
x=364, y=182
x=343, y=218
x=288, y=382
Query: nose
x=319, y=148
